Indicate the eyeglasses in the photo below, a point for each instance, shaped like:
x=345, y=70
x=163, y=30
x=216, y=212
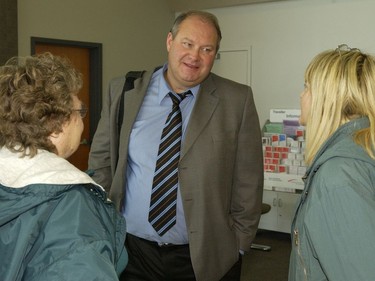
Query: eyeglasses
x=346, y=48
x=82, y=111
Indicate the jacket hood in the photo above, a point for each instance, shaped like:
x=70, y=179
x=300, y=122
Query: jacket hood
x=341, y=144
x=27, y=182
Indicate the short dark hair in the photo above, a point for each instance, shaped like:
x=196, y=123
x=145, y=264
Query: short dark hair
x=205, y=16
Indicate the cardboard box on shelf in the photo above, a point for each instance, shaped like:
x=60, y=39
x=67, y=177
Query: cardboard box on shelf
x=283, y=151
x=283, y=182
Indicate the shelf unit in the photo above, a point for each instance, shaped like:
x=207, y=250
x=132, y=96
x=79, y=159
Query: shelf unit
x=281, y=192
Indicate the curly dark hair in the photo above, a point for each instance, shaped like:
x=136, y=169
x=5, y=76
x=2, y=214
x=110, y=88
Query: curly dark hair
x=36, y=99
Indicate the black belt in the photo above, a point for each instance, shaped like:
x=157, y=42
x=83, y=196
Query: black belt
x=158, y=244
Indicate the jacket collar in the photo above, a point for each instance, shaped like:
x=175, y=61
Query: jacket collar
x=44, y=168
x=337, y=146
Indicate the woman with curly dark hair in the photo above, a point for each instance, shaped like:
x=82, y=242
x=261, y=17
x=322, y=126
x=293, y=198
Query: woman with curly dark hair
x=56, y=223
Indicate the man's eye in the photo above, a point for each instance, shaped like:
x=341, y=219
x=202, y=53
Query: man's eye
x=186, y=44
x=207, y=50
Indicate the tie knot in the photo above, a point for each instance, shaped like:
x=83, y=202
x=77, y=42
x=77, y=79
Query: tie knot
x=177, y=98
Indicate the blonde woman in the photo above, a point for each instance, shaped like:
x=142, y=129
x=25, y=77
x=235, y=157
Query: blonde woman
x=333, y=230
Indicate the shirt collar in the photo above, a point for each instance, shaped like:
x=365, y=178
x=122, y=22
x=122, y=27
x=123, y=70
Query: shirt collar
x=164, y=88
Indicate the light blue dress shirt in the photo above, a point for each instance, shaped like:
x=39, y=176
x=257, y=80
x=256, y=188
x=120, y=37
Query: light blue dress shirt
x=143, y=150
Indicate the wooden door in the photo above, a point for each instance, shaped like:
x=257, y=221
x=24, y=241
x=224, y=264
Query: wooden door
x=80, y=58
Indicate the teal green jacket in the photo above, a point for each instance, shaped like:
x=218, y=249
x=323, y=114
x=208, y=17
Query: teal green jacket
x=333, y=232
x=55, y=223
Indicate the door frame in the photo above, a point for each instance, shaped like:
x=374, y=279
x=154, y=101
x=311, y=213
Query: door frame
x=95, y=68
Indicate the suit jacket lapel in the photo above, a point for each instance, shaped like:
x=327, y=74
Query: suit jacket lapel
x=201, y=114
x=132, y=103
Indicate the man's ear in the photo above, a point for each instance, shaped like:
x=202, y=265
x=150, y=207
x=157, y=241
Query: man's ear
x=169, y=40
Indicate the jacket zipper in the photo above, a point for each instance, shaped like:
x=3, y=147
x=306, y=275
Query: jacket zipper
x=297, y=244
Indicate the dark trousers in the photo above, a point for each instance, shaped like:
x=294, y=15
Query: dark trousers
x=150, y=262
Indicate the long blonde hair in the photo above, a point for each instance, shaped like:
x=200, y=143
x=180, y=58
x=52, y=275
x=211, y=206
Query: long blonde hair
x=342, y=86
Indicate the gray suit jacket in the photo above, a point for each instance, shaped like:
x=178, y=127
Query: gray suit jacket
x=220, y=170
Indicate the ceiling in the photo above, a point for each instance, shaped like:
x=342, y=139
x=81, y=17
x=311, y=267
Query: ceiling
x=184, y=5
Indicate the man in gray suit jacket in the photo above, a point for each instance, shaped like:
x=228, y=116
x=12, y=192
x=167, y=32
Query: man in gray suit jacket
x=220, y=169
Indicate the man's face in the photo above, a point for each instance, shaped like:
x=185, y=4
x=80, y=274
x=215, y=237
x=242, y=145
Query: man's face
x=191, y=53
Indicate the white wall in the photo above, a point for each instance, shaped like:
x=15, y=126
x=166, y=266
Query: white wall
x=286, y=35
x=133, y=32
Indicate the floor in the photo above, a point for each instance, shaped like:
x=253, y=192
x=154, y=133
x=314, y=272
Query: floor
x=270, y=265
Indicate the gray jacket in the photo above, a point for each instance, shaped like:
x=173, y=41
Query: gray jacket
x=333, y=230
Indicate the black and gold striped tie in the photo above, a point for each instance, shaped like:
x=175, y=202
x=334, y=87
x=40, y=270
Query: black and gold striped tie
x=162, y=215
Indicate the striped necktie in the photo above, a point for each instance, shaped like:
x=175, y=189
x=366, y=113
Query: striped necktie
x=162, y=214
